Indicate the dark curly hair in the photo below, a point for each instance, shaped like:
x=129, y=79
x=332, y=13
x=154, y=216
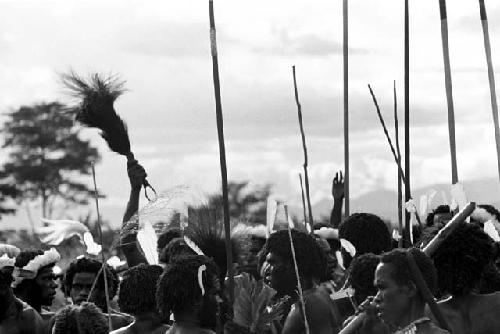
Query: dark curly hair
x=83, y=319
x=88, y=265
x=311, y=259
x=138, y=288
x=176, y=247
x=461, y=259
x=165, y=237
x=367, y=232
x=362, y=274
x=178, y=290
x=401, y=272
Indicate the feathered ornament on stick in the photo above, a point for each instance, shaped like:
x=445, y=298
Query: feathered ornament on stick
x=96, y=110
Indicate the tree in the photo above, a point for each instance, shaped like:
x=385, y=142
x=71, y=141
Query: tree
x=246, y=203
x=46, y=155
x=7, y=190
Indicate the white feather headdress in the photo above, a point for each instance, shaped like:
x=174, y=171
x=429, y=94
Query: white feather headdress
x=48, y=257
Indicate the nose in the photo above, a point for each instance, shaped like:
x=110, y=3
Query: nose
x=378, y=297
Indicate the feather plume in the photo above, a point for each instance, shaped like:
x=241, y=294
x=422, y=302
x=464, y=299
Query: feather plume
x=56, y=231
x=97, y=95
x=147, y=239
x=192, y=245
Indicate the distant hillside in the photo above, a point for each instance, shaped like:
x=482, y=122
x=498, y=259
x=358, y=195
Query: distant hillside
x=384, y=202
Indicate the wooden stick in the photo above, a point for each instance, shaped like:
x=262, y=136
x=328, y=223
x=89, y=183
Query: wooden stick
x=400, y=176
x=303, y=201
x=299, y=284
x=406, y=234
x=448, y=229
x=425, y=292
x=99, y=229
x=387, y=136
x=304, y=147
x=222, y=157
x=449, y=90
x=491, y=77
x=346, y=105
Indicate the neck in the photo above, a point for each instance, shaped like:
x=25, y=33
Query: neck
x=30, y=300
x=415, y=312
x=7, y=301
x=147, y=321
x=187, y=318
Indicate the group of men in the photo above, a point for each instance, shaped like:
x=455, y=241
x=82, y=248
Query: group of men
x=345, y=277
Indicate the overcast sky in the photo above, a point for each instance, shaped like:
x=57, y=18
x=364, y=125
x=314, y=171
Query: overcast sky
x=162, y=50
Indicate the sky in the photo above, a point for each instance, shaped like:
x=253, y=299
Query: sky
x=162, y=50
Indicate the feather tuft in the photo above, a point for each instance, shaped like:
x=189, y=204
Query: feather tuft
x=192, y=245
x=146, y=236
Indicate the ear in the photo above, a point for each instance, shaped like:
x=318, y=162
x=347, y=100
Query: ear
x=410, y=289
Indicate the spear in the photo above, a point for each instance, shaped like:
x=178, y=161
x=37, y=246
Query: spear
x=297, y=276
x=406, y=235
x=222, y=155
x=400, y=194
x=346, y=104
x=491, y=77
x=306, y=175
x=303, y=201
x=386, y=132
x=99, y=229
x=449, y=90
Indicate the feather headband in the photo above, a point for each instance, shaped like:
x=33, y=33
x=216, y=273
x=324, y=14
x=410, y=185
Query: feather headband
x=6, y=261
x=48, y=257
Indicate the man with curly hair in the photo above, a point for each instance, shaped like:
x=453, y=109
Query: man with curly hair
x=40, y=290
x=399, y=301
x=279, y=273
x=136, y=296
x=361, y=276
x=78, y=282
x=190, y=290
x=16, y=317
x=460, y=262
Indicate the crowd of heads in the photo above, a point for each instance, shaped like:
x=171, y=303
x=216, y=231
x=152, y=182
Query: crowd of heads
x=190, y=283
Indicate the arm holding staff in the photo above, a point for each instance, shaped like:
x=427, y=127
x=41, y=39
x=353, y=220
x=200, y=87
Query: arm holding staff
x=338, y=197
x=128, y=241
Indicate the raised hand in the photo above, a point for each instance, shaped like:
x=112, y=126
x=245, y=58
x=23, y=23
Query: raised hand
x=338, y=186
x=136, y=174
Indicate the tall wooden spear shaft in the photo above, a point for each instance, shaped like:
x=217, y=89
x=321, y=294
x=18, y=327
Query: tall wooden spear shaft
x=222, y=156
x=303, y=201
x=99, y=229
x=491, y=77
x=346, y=105
x=449, y=90
x=304, y=147
x=400, y=193
x=406, y=234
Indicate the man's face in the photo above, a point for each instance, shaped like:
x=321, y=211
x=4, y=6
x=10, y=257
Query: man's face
x=46, y=281
x=279, y=275
x=81, y=286
x=440, y=219
x=393, y=300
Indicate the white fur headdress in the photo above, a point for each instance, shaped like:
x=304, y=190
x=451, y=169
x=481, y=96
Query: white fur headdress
x=6, y=261
x=48, y=257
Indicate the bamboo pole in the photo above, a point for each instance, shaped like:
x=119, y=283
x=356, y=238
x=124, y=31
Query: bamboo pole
x=222, y=157
x=304, y=147
x=491, y=78
x=346, y=105
x=398, y=150
x=303, y=201
x=406, y=234
x=449, y=90
x=99, y=229
x=296, y=267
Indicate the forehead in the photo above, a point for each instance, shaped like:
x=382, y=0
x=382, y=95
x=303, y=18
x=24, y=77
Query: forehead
x=383, y=273
x=45, y=271
x=83, y=278
x=273, y=258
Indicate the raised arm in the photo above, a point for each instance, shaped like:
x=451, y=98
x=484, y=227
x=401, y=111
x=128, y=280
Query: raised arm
x=338, y=199
x=128, y=241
